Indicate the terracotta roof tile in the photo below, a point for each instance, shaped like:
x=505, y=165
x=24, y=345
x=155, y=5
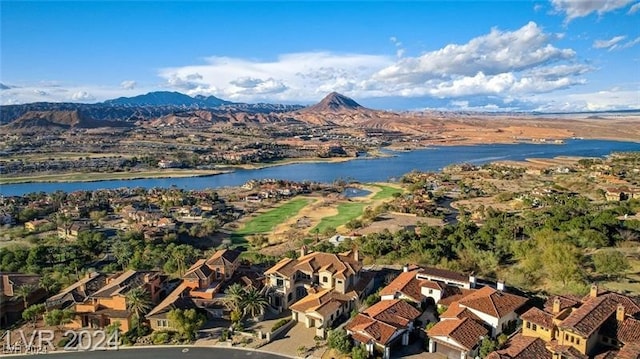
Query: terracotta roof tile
x=338, y=264
x=629, y=351
x=590, y=316
x=405, y=283
x=521, y=347
x=456, y=311
x=324, y=302
x=565, y=302
x=394, y=312
x=539, y=317
x=465, y=331
x=445, y=274
x=365, y=328
x=223, y=256
x=493, y=302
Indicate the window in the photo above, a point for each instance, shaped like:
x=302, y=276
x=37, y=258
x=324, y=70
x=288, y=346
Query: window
x=339, y=282
x=430, y=291
x=534, y=327
x=528, y=325
x=577, y=340
x=162, y=323
x=279, y=282
x=572, y=339
x=289, y=297
x=566, y=337
x=325, y=279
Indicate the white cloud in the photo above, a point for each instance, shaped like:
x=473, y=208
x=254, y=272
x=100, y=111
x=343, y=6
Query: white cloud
x=128, y=84
x=631, y=43
x=634, y=9
x=605, y=100
x=82, y=96
x=580, y=8
x=494, y=53
x=608, y=44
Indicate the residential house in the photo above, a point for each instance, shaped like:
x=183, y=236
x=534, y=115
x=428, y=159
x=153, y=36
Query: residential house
x=522, y=347
x=202, y=286
x=456, y=338
x=72, y=230
x=602, y=325
x=78, y=292
x=332, y=282
x=12, y=304
x=36, y=224
x=383, y=325
x=109, y=303
x=428, y=285
x=621, y=193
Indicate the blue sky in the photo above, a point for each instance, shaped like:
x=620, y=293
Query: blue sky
x=552, y=55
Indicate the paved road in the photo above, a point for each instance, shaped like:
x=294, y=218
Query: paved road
x=164, y=353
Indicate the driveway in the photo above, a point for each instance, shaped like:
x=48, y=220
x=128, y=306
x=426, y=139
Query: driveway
x=297, y=336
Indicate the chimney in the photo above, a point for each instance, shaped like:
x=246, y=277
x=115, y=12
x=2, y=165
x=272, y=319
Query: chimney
x=556, y=305
x=303, y=251
x=405, y=268
x=500, y=285
x=620, y=313
x=472, y=280
x=594, y=291
x=356, y=254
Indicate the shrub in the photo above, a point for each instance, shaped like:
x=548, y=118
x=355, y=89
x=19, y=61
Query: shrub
x=160, y=337
x=280, y=323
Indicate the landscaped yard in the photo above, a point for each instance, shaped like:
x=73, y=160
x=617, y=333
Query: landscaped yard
x=267, y=221
x=346, y=212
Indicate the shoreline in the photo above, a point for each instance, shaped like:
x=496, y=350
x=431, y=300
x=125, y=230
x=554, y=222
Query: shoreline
x=375, y=153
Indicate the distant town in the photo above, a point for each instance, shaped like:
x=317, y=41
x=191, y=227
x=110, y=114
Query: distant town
x=532, y=259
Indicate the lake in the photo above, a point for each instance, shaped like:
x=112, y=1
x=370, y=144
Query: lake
x=361, y=169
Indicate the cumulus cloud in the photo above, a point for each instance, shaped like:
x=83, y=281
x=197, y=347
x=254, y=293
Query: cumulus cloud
x=497, y=63
x=580, y=8
x=608, y=44
x=82, y=96
x=128, y=84
x=494, y=53
x=607, y=100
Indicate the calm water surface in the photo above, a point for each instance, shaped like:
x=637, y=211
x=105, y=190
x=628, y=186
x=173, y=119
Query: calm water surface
x=363, y=170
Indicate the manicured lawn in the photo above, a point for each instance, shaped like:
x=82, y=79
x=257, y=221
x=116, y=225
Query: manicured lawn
x=267, y=221
x=346, y=212
x=386, y=192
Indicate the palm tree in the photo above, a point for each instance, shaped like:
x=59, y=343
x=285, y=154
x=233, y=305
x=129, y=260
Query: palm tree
x=253, y=302
x=24, y=291
x=234, y=297
x=138, y=302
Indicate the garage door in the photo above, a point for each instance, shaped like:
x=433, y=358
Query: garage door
x=451, y=353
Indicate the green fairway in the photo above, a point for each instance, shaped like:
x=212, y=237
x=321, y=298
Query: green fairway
x=346, y=212
x=386, y=192
x=267, y=221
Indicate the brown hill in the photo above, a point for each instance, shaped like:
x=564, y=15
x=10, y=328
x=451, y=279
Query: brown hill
x=190, y=119
x=334, y=102
x=58, y=120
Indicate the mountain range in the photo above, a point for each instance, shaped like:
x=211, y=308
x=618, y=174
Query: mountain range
x=173, y=108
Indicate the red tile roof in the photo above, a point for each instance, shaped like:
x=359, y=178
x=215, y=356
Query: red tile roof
x=465, y=331
x=521, y=347
x=590, y=316
x=394, y=312
x=456, y=311
x=629, y=351
x=445, y=274
x=493, y=302
x=365, y=328
x=405, y=283
x=538, y=317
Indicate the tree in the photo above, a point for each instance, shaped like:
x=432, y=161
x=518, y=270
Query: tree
x=33, y=312
x=58, y=317
x=186, y=322
x=610, y=263
x=234, y=296
x=339, y=340
x=24, y=291
x=138, y=302
x=487, y=346
x=359, y=352
x=253, y=302
x=97, y=216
